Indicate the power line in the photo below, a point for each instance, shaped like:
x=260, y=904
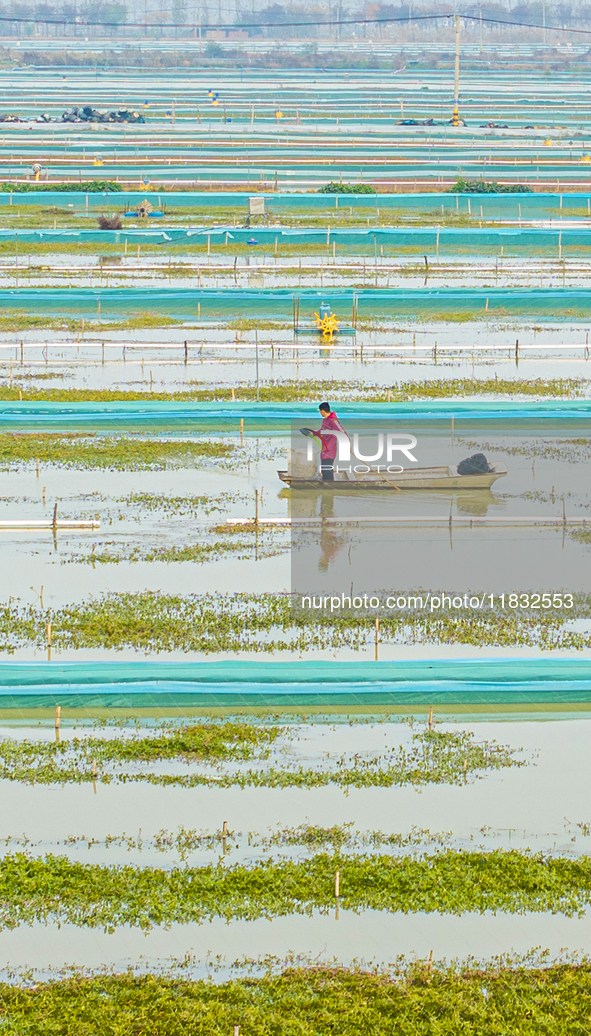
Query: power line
x=233, y=26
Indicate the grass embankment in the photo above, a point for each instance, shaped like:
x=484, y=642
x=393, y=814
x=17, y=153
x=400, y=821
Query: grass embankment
x=20, y=217
x=120, y=452
x=501, y=999
x=434, y=757
x=364, y=247
x=292, y=391
x=55, y=888
x=210, y=623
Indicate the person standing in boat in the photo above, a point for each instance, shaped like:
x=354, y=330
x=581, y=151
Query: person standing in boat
x=330, y=425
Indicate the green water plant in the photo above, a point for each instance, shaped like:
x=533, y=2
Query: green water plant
x=120, y=452
x=210, y=623
x=433, y=757
x=309, y=389
x=56, y=889
x=506, y=997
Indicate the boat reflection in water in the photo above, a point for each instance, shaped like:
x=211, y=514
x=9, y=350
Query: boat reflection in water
x=331, y=524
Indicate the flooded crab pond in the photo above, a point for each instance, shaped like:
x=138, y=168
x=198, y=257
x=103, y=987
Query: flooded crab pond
x=538, y=807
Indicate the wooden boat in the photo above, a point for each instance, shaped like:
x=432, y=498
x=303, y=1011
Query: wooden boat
x=443, y=477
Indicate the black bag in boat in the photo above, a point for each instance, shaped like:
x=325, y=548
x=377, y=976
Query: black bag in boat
x=475, y=465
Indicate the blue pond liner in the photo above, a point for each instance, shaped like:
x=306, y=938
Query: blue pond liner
x=118, y=684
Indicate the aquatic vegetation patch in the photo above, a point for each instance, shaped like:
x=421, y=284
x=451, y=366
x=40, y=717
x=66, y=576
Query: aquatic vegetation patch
x=433, y=757
x=186, y=841
x=202, y=504
x=568, y=451
x=308, y=389
x=79, y=759
x=120, y=452
x=504, y=998
x=198, y=553
x=209, y=623
x=56, y=889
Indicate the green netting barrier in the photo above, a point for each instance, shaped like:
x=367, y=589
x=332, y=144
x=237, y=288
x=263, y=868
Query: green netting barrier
x=501, y=206
x=186, y=303
x=306, y=684
x=223, y=418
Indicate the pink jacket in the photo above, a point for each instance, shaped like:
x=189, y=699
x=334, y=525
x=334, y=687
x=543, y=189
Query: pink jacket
x=329, y=442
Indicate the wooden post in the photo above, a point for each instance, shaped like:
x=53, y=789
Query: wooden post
x=256, y=507
x=58, y=712
x=431, y=717
x=186, y=353
x=54, y=520
x=225, y=827
x=377, y=636
x=430, y=961
x=242, y=431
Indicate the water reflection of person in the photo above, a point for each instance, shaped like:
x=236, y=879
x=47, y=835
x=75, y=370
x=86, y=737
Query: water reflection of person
x=330, y=541
x=474, y=504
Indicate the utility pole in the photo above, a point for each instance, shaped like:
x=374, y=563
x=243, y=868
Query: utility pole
x=455, y=121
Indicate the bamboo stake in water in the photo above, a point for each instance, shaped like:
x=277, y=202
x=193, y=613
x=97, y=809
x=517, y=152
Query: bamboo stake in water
x=242, y=431
x=377, y=636
x=431, y=718
x=58, y=712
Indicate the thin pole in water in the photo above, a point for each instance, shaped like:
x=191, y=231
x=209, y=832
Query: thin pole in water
x=256, y=339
